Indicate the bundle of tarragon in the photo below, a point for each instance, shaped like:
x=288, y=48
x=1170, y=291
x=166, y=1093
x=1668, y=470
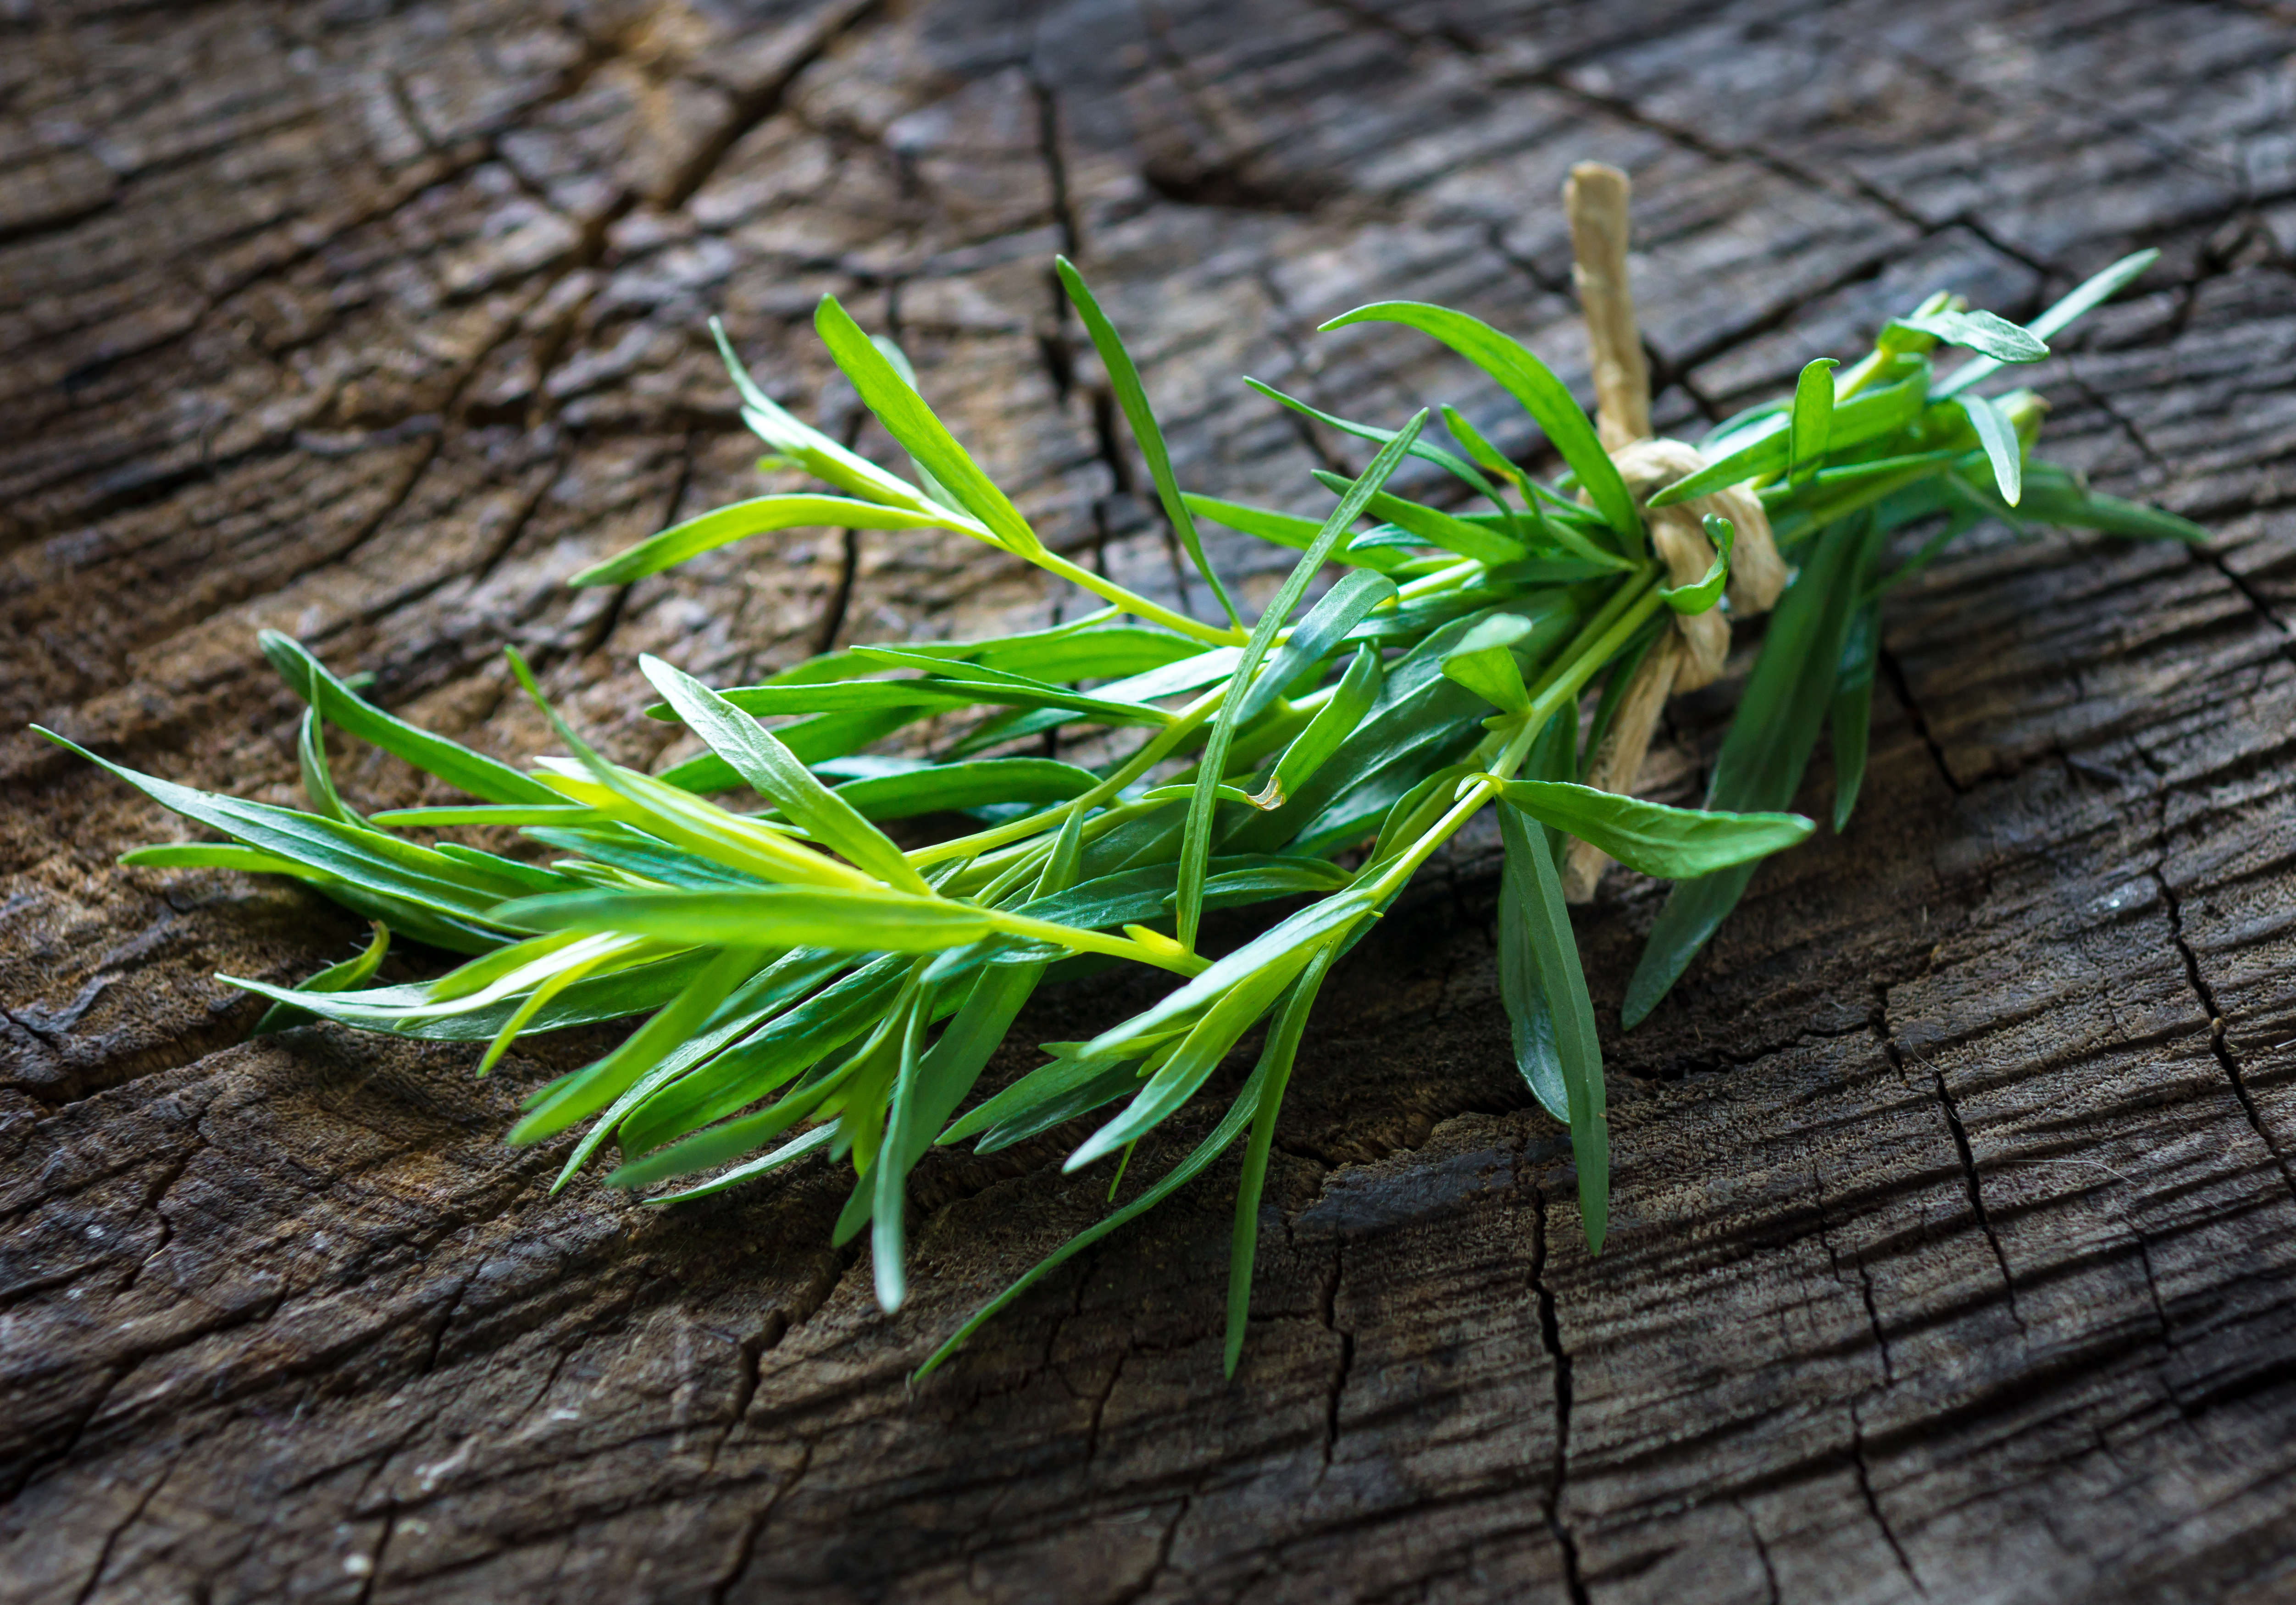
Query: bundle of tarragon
x=810, y=988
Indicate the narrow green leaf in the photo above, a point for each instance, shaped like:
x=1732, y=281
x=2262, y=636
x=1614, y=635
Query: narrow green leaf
x=948, y=788
x=1673, y=844
x=1546, y=924
x=857, y=919
x=1426, y=451
x=1124, y=378
x=923, y=1101
x=773, y=1054
x=1218, y=1143
x=1333, y=723
x=1766, y=749
x=2091, y=294
x=1274, y=1073
x=808, y=448
x=777, y=774
x=909, y=420
x=1868, y=415
x=2002, y=449
x=595, y=1086
x=1288, y=529
x=2073, y=507
x=1853, y=707
x=347, y=976
x=1196, y=838
x=1315, y=638
x=347, y=710
x=1432, y=527
x=319, y=785
x=1522, y=989
x=1811, y=424
x=1531, y=382
x=741, y=519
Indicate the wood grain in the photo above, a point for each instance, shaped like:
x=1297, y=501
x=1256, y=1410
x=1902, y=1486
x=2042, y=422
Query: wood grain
x=1951, y=1256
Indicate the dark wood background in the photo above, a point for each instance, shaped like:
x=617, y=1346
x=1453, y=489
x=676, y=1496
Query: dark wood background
x=1955, y=1246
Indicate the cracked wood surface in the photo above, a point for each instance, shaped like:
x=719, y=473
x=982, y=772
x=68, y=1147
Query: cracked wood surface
x=1951, y=1255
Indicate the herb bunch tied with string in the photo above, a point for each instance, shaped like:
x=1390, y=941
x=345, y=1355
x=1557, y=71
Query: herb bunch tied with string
x=809, y=986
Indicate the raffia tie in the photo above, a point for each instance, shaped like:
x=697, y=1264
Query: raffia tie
x=1691, y=653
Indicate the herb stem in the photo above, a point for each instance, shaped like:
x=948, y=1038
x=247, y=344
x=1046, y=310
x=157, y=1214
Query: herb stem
x=1108, y=590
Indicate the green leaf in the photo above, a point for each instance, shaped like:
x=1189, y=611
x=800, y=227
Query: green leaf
x=646, y=982
x=1866, y=416
x=1853, y=707
x=1484, y=663
x=1196, y=840
x=1124, y=378
x=1766, y=749
x=2002, y=449
x=925, y=1098
x=938, y=695
x=1315, y=638
x=1288, y=529
x=319, y=785
x=1432, y=527
x=1274, y=1073
x=347, y=976
x=1522, y=989
x=948, y=788
x=1531, y=382
x=1331, y=917
x=808, y=447
x=355, y=855
x=697, y=1020
x=1555, y=954
x=768, y=1057
x=1672, y=844
x=1145, y=893
x=1983, y=333
x=741, y=519
x=2091, y=294
x=909, y=420
x=855, y=920
x=344, y=709
x=812, y=740
x=777, y=774
x=2071, y=506
x=1214, y=1144
x=1424, y=450
x=1707, y=593
x=1811, y=424
x=1351, y=702
x=595, y=1086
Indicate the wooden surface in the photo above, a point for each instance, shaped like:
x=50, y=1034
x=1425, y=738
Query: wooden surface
x=1954, y=1251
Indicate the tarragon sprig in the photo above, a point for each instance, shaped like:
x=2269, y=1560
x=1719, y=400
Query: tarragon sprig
x=809, y=986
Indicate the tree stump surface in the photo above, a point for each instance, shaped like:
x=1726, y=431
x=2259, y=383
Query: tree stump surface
x=1954, y=1251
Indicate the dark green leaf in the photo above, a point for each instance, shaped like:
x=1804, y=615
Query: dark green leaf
x=1288, y=529
x=1766, y=749
x=1853, y=707
x=349, y=976
x=2092, y=293
x=1555, y=954
x=1196, y=837
x=344, y=709
x=1866, y=416
x=1673, y=844
x=1124, y=378
x=1273, y=1074
x=1351, y=700
x=1531, y=382
x=1708, y=591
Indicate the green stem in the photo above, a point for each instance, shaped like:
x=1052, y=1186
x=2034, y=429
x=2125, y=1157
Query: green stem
x=1108, y=590
x=1093, y=941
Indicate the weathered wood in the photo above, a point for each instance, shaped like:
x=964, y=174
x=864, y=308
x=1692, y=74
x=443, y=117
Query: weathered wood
x=1951, y=1254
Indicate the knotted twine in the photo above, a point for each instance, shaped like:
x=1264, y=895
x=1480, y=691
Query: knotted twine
x=1691, y=653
